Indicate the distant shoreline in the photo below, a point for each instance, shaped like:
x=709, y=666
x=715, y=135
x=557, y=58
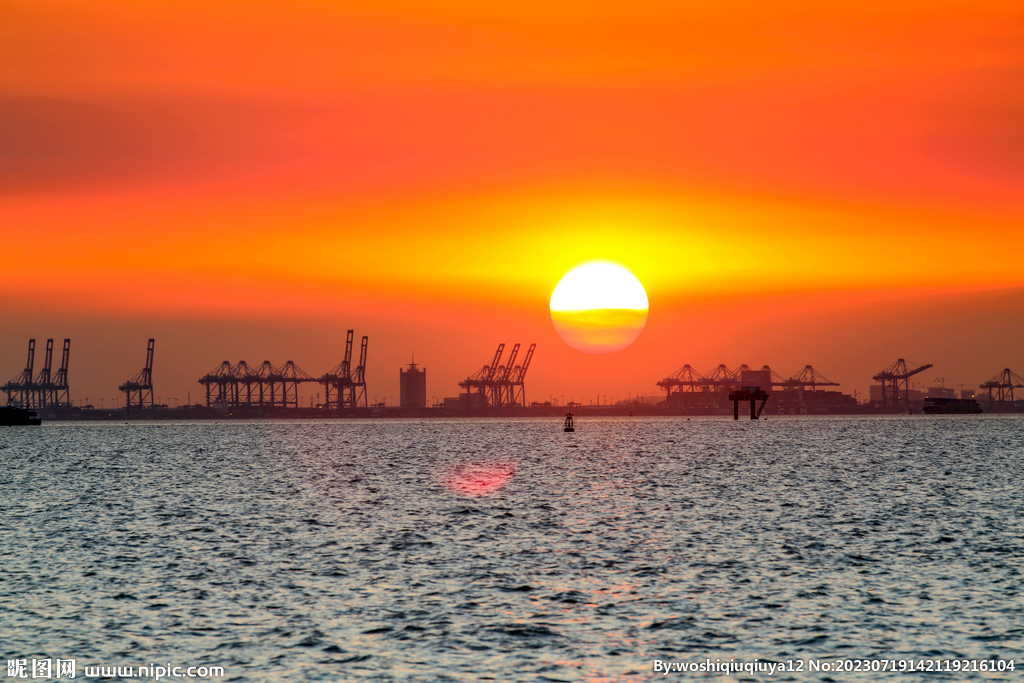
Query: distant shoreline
x=200, y=413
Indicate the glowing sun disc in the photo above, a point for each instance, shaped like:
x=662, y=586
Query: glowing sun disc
x=599, y=307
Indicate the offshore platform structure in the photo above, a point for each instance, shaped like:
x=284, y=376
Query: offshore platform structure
x=138, y=391
x=1004, y=383
x=752, y=394
x=43, y=390
x=497, y=385
x=345, y=387
x=278, y=387
x=895, y=384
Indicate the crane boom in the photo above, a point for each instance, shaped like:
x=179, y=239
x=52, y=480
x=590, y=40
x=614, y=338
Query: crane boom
x=510, y=364
x=361, y=368
x=494, y=364
x=61, y=382
x=898, y=370
x=346, y=365
x=526, y=363
x=44, y=374
x=30, y=365
x=920, y=369
x=360, y=380
x=148, y=376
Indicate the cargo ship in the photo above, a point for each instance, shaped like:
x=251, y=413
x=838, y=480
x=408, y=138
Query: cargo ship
x=947, y=406
x=12, y=416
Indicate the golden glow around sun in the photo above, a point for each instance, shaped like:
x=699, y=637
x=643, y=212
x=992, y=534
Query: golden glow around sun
x=599, y=307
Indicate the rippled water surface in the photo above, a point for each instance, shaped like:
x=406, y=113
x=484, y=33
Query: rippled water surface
x=506, y=550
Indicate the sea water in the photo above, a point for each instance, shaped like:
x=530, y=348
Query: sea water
x=507, y=550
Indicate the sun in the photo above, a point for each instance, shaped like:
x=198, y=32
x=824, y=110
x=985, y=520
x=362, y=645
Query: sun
x=599, y=307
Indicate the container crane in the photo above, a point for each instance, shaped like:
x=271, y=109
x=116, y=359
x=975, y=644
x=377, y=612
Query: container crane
x=61, y=392
x=1004, y=383
x=139, y=389
x=21, y=384
x=41, y=385
x=891, y=379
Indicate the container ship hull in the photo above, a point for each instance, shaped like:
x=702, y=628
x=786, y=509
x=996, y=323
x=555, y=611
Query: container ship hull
x=13, y=416
x=950, y=406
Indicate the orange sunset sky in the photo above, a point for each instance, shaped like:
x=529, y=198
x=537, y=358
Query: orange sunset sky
x=835, y=184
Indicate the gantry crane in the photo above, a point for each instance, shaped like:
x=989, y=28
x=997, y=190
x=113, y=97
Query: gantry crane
x=497, y=385
x=891, y=378
x=21, y=384
x=138, y=391
x=502, y=389
x=218, y=383
x=685, y=379
x=809, y=377
x=268, y=385
x=480, y=381
x=345, y=387
x=43, y=390
x=42, y=386
x=61, y=392
x=338, y=390
x=519, y=379
x=1004, y=383
x=359, y=376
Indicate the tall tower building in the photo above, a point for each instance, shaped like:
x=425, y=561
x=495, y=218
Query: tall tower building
x=413, y=386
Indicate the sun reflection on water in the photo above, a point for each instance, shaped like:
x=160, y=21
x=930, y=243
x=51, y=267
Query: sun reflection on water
x=477, y=479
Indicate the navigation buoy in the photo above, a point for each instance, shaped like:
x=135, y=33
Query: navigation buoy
x=568, y=423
